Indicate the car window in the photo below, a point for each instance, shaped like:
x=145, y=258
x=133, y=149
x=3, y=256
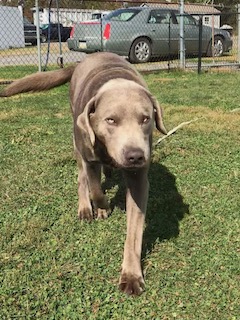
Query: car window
x=122, y=15
x=44, y=26
x=99, y=15
x=96, y=16
x=187, y=19
x=159, y=16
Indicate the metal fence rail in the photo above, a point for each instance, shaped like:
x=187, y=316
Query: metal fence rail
x=18, y=40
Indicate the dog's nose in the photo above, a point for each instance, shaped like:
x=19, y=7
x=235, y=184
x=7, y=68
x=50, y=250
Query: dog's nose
x=134, y=157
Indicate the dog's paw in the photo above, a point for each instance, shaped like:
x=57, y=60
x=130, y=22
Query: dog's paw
x=102, y=213
x=101, y=207
x=85, y=214
x=131, y=284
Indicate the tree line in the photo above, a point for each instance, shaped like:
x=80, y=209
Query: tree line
x=101, y=4
x=227, y=7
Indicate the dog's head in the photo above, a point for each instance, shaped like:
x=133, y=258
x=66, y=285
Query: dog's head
x=121, y=118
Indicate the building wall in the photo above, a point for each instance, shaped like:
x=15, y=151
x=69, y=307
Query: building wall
x=11, y=28
x=210, y=20
x=66, y=16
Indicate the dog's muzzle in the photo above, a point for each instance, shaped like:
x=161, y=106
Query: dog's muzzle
x=134, y=157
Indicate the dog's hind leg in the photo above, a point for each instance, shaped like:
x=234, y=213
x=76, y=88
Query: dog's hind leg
x=107, y=172
x=100, y=203
x=85, y=211
x=89, y=189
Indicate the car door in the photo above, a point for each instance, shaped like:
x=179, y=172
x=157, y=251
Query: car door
x=191, y=33
x=164, y=32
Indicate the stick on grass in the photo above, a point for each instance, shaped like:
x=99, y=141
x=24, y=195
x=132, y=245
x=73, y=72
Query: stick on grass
x=175, y=129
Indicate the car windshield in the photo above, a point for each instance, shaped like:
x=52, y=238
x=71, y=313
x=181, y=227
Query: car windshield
x=44, y=26
x=122, y=14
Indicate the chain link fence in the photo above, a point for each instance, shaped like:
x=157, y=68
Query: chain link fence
x=154, y=35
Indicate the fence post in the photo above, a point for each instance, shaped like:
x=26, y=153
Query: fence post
x=200, y=45
x=238, y=28
x=38, y=36
x=59, y=38
x=101, y=32
x=181, y=34
x=169, y=42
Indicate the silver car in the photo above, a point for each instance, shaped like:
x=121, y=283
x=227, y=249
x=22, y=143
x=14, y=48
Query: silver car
x=145, y=32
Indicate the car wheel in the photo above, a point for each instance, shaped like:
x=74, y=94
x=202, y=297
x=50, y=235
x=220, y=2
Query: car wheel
x=140, y=51
x=218, y=47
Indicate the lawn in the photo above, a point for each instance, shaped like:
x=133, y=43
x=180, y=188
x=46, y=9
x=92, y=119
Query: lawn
x=52, y=266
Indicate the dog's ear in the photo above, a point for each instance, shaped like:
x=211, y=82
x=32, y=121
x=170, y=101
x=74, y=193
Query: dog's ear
x=159, y=117
x=158, y=114
x=86, y=132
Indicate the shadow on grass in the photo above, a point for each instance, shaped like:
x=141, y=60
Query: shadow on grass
x=166, y=207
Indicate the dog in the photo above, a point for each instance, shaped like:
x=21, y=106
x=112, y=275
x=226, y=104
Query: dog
x=113, y=120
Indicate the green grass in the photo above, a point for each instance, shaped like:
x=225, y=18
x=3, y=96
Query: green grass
x=54, y=267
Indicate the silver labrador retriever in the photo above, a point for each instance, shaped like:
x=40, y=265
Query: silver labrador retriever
x=114, y=115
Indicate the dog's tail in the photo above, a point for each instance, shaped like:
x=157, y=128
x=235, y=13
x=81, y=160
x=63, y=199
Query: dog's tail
x=39, y=81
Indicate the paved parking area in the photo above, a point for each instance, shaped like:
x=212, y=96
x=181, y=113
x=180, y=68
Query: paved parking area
x=29, y=55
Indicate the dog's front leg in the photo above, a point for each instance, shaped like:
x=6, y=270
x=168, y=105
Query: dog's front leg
x=131, y=280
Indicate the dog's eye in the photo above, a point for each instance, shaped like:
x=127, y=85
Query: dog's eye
x=111, y=121
x=145, y=119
